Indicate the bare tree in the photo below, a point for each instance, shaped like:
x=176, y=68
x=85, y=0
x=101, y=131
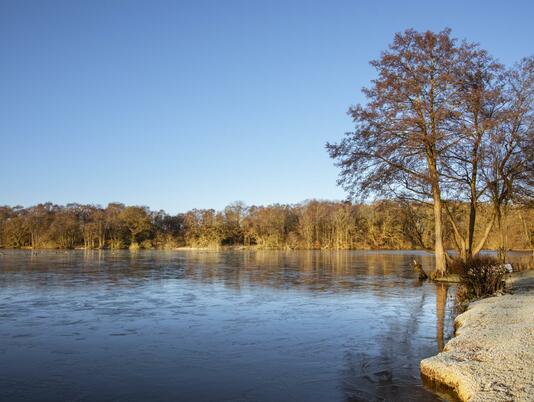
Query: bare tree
x=509, y=167
x=404, y=129
x=479, y=102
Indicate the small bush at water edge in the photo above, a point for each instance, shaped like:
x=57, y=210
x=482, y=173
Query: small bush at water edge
x=480, y=276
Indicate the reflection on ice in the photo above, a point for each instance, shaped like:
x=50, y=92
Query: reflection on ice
x=204, y=326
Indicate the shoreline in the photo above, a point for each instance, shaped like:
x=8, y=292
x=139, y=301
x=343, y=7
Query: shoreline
x=490, y=357
x=250, y=247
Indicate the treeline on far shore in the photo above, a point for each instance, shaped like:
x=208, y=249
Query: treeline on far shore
x=385, y=224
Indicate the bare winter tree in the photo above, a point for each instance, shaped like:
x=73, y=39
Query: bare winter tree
x=509, y=166
x=404, y=130
x=443, y=123
x=479, y=103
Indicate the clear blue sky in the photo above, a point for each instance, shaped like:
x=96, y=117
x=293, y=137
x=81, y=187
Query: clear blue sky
x=177, y=105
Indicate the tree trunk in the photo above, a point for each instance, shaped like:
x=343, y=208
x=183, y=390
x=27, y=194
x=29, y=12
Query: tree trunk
x=459, y=240
x=501, y=252
x=473, y=196
x=471, y=228
x=439, y=250
x=482, y=241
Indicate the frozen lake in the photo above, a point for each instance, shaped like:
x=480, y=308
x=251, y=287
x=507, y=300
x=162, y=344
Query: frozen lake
x=217, y=326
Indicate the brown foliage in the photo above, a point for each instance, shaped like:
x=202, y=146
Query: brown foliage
x=480, y=276
x=314, y=224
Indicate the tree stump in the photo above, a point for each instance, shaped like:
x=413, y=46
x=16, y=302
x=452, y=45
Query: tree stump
x=419, y=269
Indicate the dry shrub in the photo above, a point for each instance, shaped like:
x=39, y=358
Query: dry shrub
x=147, y=244
x=134, y=246
x=480, y=276
x=462, y=299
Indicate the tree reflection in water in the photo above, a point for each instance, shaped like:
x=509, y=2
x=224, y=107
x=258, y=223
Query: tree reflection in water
x=441, y=303
x=390, y=373
x=313, y=325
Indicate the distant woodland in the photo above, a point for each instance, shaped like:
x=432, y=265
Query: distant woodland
x=386, y=224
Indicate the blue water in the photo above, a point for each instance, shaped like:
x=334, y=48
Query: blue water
x=217, y=326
